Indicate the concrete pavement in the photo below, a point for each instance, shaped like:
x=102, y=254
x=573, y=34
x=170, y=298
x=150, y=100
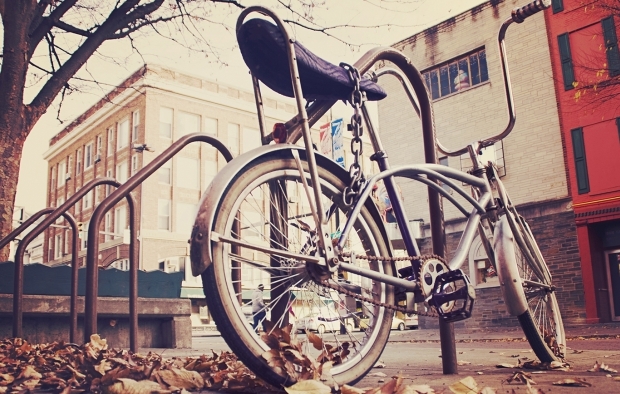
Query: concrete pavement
x=416, y=356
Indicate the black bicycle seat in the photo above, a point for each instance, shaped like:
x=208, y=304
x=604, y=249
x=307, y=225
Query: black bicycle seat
x=263, y=48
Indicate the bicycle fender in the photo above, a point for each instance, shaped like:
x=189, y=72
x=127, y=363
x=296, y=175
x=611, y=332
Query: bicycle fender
x=202, y=231
x=507, y=270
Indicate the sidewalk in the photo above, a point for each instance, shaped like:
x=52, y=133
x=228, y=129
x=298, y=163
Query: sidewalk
x=415, y=355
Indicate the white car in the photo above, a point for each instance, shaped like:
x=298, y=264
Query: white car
x=318, y=323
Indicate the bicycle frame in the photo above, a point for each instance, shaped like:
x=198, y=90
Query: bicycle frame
x=428, y=174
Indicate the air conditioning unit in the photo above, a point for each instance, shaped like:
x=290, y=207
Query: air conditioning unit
x=67, y=176
x=97, y=158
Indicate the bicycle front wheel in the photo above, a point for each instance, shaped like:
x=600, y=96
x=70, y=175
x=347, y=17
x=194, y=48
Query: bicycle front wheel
x=267, y=208
x=542, y=322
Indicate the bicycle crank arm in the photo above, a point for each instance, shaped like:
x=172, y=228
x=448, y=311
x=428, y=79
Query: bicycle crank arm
x=215, y=237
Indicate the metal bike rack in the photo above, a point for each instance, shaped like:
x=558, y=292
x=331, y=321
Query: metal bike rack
x=92, y=251
x=54, y=213
x=18, y=275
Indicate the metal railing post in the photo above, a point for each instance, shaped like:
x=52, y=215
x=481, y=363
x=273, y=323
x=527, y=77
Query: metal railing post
x=92, y=251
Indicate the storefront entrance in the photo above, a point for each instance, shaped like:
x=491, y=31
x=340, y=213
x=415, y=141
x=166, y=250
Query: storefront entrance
x=613, y=282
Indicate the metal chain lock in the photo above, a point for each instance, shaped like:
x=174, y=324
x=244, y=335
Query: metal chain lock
x=356, y=175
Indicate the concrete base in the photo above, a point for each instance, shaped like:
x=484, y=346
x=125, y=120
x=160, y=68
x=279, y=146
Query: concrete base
x=162, y=322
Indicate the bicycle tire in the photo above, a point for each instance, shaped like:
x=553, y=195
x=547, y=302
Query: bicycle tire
x=542, y=322
x=224, y=293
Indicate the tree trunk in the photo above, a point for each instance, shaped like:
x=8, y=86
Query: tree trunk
x=10, y=157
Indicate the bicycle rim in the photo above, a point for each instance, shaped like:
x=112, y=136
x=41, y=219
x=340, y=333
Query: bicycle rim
x=269, y=192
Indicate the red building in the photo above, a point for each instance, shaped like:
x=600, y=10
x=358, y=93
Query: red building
x=586, y=66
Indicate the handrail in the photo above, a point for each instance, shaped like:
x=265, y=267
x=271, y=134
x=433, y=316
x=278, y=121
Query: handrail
x=90, y=303
x=18, y=290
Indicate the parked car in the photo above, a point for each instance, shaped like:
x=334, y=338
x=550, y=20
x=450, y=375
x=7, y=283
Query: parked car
x=397, y=324
x=317, y=322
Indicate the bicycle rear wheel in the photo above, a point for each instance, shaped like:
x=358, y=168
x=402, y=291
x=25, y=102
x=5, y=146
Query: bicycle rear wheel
x=266, y=205
x=542, y=322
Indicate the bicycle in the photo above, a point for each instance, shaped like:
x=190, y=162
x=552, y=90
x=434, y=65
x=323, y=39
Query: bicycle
x=325, y=249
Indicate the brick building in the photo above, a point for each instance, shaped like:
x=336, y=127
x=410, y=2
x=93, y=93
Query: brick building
x=459, y=59
x=154, y=106
x=586, y=66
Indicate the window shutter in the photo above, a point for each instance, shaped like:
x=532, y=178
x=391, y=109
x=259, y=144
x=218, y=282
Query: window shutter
x=567, y=61
x=581, y=168
x=611, y=44
x=618, y=127
x=557, y=6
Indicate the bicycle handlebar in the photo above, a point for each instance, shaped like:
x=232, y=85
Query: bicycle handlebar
x=518, y=15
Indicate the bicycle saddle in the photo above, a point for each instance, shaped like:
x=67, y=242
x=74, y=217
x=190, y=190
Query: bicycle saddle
x=263, y=48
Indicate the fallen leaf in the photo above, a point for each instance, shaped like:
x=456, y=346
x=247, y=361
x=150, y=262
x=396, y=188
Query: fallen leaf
x=378, y=374
x=505, y=365
x=487, y=390
x=521, y=377
x=308, y=386
x=601, y=368
x=130, y=386
x=379, y=364
x=576, y=382
x=182, y=378
x=465, y=386
x=351, y=390
x=415, y=389
x=463, y=362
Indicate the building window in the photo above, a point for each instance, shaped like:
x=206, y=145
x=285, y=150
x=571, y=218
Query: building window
x=99, y=148
x=108, y=227
x=188, y=173
x=84, y=239
x=50, y=248
x=185, y=216
x=233, y=138
x=568, y=74
x=78, y=204
x=120, y=221
x=581, y=167
x=121, y=172
x=110, y=141
x=611, y=46
x=62, y=173
x=457, y=75
x=483, y=272
x=134, y=164
x=121, y=265
x=211, y=126
x=123, y=134
x=135, y=125
x=69, y=166
x=59, y=202
x=53, y=178
x=78, y=161
x=58, y=246
x=88, y=156
x=164, y=174
x=108, y=188
x=188, y=124
x=557, y=6
x=493, y=153
x=87, y=201
x=163, y=214
x=165, y=122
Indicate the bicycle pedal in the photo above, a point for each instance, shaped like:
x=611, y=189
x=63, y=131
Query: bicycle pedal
x=453, y=296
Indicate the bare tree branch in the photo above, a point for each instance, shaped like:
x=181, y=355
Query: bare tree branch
x=38, y=32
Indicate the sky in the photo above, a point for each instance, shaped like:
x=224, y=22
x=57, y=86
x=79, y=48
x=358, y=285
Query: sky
x=378, y=23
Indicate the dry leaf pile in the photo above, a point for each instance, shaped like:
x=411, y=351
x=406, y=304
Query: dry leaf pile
x=288, y=357
x=67, y=368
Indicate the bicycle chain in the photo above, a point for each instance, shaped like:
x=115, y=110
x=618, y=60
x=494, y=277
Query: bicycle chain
x=396, y=308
